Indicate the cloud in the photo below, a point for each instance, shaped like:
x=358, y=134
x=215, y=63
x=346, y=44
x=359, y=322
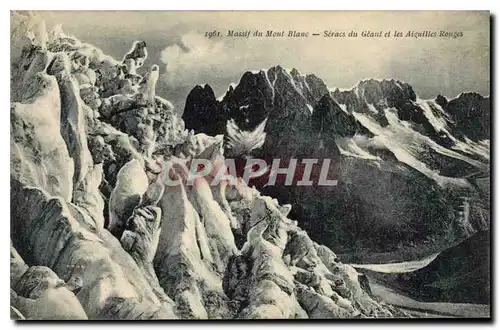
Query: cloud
x=195, y=59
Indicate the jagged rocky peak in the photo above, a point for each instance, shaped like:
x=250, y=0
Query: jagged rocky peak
x=469, y=104
x=374, y=97
x=441, y=100
x=203, y=90
x=465, y=116
x=277, y=93
x=330, y=120
x=373, y=89
x=471, y=96
x=317, y=86
x=470, y=116
x=202, y=111
x=251, y=101
x=378, y=94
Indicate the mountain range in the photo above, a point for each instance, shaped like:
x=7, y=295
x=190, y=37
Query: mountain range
x=413, y=174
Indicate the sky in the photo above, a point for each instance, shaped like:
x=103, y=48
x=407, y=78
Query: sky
x=176, y=41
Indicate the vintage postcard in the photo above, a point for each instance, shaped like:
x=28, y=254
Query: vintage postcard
x=250, y=165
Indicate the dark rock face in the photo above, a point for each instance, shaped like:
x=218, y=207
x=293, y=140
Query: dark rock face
x=442, y=101
x=276, y=93
x=364, y=282
x=202, y=112
x=470, y=116
x=250, y=102
x=328, y=119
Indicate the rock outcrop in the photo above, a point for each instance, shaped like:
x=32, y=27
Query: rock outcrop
x=202, y=111
x=469, y=116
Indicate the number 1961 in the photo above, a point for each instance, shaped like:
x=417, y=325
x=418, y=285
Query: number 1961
x=212, y=34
